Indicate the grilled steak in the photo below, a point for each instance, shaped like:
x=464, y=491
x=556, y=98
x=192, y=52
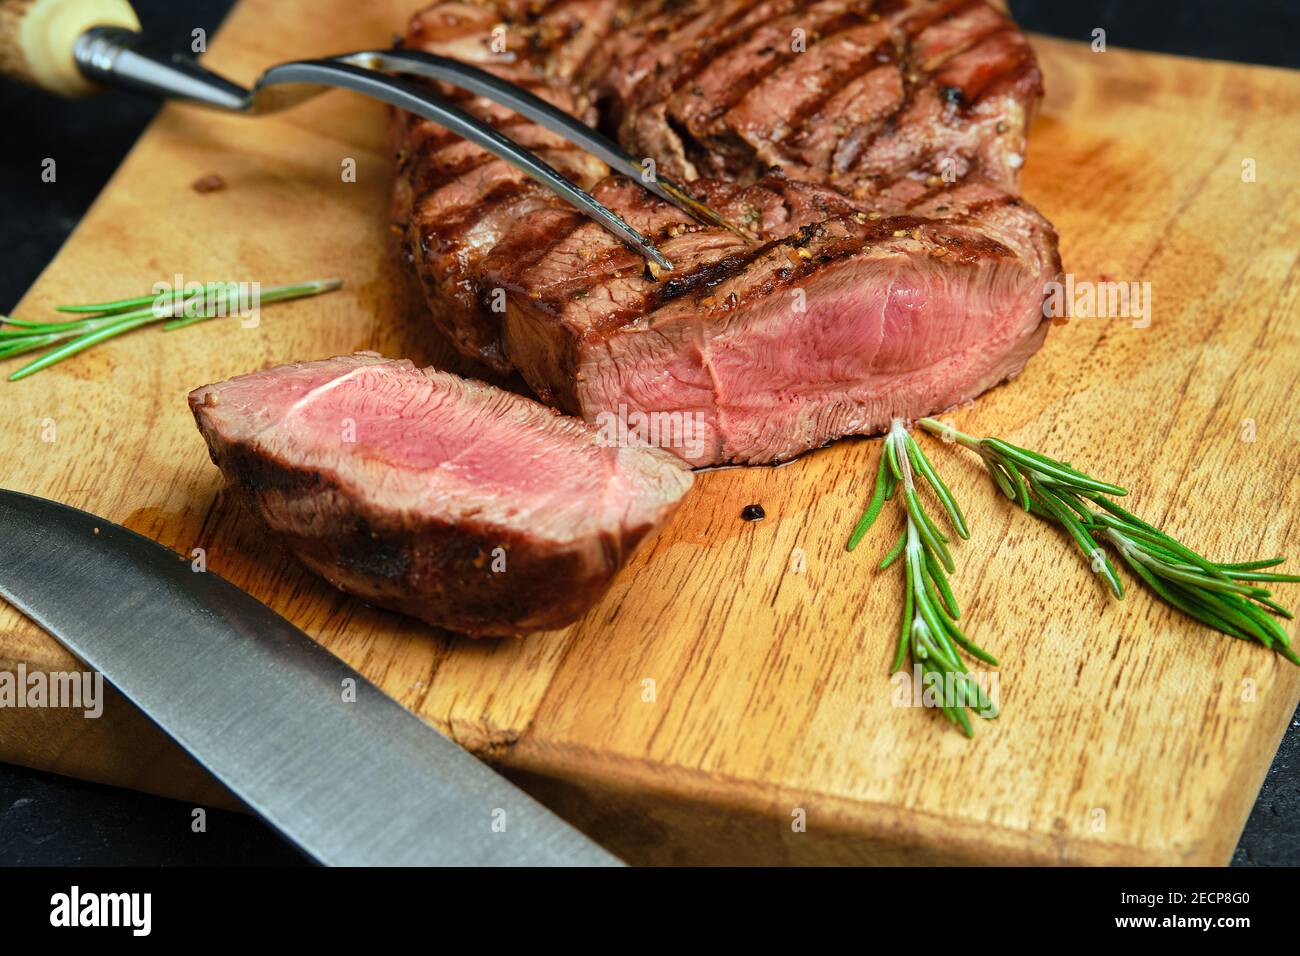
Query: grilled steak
x=890, y=268
x=467, y=506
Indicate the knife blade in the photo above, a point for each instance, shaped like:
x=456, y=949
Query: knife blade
x=342, y=770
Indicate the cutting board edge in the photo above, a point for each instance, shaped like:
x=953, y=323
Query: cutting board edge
x=856, y=831
x=637, y=792
x=130, y=752
x=1250, y=779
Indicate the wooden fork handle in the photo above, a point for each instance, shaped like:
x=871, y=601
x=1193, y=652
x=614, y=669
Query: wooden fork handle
x=37, y=38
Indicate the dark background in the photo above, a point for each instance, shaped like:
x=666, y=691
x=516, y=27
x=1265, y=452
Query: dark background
x=50, y=820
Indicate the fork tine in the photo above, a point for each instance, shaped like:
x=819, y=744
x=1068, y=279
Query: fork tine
x=493, y=87
x=416, y=99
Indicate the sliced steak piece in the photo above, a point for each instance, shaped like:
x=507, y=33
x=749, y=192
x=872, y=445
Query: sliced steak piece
x=842, y=318
x=469, y=507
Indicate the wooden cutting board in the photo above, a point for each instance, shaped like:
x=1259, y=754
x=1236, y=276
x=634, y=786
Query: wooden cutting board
x=1128, y=735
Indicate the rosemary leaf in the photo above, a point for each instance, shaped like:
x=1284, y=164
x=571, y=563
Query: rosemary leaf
x=935, y=571
x=1252, y=565
x=28, y=344
x=132, y=305
x=1022, y=489
x=905, y=627
x=873, y=509
x=895, y=551
x=940, y=489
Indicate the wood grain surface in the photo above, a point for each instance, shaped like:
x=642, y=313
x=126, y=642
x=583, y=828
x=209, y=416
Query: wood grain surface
x=1128, y=735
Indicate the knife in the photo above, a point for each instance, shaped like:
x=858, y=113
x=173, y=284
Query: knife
x=343, y=771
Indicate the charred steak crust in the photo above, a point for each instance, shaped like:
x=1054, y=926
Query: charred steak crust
x=883, y=155
x=428, y=555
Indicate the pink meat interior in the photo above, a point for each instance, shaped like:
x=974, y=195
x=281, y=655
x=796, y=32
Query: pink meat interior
x=880, y=336
x=437, y=444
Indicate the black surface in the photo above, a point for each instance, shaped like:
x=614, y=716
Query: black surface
x=1249, y=31
x=49, y=820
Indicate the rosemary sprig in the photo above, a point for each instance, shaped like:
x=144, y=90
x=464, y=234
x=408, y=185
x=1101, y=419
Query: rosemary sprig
x=1224, y=596
x=177, y=309
x=928, y=630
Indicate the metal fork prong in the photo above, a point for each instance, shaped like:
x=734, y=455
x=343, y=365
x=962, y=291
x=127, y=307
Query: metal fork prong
x=480, y=82
x=416, y=99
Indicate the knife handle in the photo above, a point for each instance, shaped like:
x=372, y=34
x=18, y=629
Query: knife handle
x=37, y=38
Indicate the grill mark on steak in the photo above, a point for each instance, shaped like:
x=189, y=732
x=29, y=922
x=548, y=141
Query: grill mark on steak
x=975, y=211
x=1004, y=72
x=453, y=155
x=956, y=96
x=435, y=172
x=971, y=211
x=448, y=229
x=936, y=14
x=723, y=43
x=883, y=56
x=912, y=28
x=824, y=32
x=705, y=276
x=523, y=251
